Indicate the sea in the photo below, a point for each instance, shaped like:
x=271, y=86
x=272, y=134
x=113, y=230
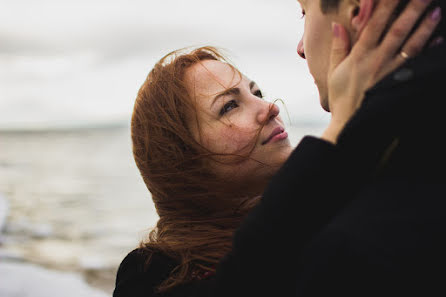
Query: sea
x=76, y=199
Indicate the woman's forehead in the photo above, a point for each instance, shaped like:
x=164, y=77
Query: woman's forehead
x=211, y=76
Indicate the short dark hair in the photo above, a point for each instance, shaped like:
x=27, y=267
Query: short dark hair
x=330, y=5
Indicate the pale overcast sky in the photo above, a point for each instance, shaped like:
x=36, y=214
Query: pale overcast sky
x=66, y=61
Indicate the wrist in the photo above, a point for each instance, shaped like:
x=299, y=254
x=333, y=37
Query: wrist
x=333, y=130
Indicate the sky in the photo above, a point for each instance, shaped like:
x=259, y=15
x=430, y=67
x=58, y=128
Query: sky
x=68, y=63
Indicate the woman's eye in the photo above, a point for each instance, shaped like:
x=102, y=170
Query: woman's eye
x=258, y=94
x=228, y=107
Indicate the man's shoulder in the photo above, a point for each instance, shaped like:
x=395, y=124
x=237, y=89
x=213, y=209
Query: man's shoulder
x=390, y=220
x=404, y=111
x=415, y=71
x=378, y=242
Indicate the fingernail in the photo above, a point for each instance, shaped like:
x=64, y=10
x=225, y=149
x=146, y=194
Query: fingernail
x=437, y=41
x=336, y=31
x=436, y=14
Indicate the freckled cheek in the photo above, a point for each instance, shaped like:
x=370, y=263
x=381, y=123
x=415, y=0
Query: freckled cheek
x=229, y=140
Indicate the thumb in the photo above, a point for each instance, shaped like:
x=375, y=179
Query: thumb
x=340, y=46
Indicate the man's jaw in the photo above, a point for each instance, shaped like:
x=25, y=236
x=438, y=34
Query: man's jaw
x=324, y=103
x=323, y=97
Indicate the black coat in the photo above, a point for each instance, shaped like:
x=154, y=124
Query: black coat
x=390, y=240
x=266, y=245
x=365, y=218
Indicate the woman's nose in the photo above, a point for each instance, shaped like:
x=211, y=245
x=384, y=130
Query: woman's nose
x=268, y=112
x=300, y=49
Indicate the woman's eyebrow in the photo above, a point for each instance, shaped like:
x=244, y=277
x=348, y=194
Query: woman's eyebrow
x=231, y=91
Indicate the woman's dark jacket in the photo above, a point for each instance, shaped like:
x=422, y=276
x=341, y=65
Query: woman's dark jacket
x=364, y=218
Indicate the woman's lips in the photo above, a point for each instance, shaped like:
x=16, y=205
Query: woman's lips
x=281, y=136
x=278, y=134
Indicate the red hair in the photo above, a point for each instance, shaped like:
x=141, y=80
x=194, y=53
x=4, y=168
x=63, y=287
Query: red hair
x=198, y=211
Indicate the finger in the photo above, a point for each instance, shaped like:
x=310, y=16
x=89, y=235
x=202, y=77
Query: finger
x=404, y=24
x=437, y=41
x=418, y=40
x=340, y=46
x=421, y=36
x=378, y=22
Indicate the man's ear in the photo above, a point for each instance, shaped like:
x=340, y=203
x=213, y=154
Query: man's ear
x=360, y=13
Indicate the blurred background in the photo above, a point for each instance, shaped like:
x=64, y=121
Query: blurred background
x=72, y=203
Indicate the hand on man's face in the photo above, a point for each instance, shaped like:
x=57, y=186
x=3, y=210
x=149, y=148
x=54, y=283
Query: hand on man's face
x=353, y=70
x=316, y=43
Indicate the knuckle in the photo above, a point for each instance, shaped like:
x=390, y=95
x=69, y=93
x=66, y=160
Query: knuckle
x=360, y=50
x=398, y=32
x=378, y=22
x=378, y=64
x=417, y=5
x=390, y=4
x=412, y=12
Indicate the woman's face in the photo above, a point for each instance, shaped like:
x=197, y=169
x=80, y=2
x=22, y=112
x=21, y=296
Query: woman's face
x=230, y=115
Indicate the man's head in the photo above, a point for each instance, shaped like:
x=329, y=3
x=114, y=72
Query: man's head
x=353, y=15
